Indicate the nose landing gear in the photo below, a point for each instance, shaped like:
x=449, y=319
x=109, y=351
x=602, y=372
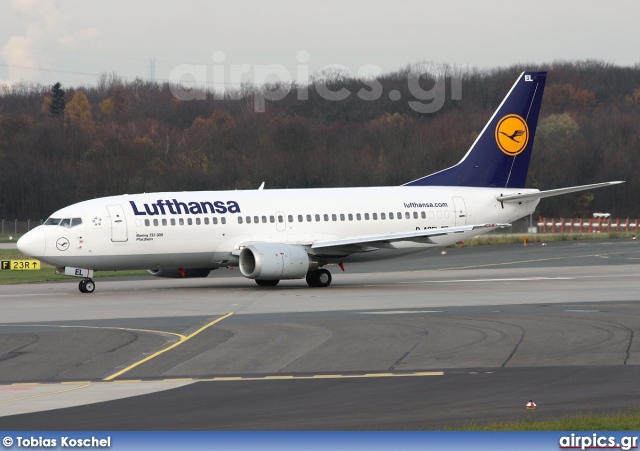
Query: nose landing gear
x=86, y=285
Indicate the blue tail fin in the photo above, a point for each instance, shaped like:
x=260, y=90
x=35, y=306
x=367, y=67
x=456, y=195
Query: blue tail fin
x=500, y=155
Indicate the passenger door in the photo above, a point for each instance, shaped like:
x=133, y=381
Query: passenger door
x=461, y=211
x=118, y=223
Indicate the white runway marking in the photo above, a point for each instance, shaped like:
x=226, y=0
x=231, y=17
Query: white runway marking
x=512, y=279
x=400, y=312
x=31, y=295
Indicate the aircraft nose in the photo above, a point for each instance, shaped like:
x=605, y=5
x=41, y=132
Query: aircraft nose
x=32, y=243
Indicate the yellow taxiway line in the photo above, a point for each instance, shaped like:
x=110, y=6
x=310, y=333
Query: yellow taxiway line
x=182, y=339
x=280, y=377
x=45, y=394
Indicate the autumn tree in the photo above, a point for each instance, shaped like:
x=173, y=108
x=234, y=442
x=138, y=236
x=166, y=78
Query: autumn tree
x=560, y=97
x=79, y=110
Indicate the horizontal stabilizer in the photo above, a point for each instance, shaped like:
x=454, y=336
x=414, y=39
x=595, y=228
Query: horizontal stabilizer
x=553, y=192
x=383, y=241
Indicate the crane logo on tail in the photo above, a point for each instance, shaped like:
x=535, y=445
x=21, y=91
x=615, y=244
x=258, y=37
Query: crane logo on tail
x=512, y=134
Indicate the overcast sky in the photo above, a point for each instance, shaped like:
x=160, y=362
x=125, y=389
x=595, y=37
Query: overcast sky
x=73, y=41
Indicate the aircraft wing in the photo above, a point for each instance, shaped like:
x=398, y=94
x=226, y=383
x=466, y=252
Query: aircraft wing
x=374, y=242
x=553, y=192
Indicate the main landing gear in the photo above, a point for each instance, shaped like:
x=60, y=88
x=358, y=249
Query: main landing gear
x=267, y=283
x=86, y=286
x=319, y=278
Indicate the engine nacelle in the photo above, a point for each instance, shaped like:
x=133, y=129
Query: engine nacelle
x=275, y=261
x=176, y=274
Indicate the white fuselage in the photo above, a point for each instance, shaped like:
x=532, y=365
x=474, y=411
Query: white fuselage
x=207, y=229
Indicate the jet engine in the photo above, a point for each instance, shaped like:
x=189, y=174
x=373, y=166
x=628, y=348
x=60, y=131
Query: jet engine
x=275, y=261
x=180, y=273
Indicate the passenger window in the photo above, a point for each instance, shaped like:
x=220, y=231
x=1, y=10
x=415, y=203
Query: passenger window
x=206, y=221
x=374, y=216
x=333, y=217
x=350, y=216
x=390, y=215
x=407, y=215
x=300, y=218
x=280, y=219
x=214, y=220
x=248, y=219
x=256, y=219
x=272, y=219
x=399, y=215
x=173, y=221
x=358, y=217
x=423, y=215
x=341, y=216
x=155, y=222
x=366, y=216
x=326, y=217
x=164, y=221
x=415, y=215
x=223, y=220
x=181, y=221
x=308, y=218
x=317, y=218
x=431, y=216
x=290, y=218
x=239, y=219
x=264, y=219
x=189, y=221
x=197, y=221
x=382, y=216
x=147, y=222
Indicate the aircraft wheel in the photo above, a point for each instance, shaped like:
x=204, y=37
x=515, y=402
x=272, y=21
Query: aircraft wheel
x=82, y=286
x=267, y=283
x=319, y=278
x=89, y=286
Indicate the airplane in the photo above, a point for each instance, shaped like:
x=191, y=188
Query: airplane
x=283, y=234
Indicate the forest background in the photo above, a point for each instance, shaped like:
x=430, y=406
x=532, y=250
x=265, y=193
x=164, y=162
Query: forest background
x=60, y=145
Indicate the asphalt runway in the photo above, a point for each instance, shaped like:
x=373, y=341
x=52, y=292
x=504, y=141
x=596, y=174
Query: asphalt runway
x=426, y=342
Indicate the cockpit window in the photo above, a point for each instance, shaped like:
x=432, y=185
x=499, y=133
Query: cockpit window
x=65, y=222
